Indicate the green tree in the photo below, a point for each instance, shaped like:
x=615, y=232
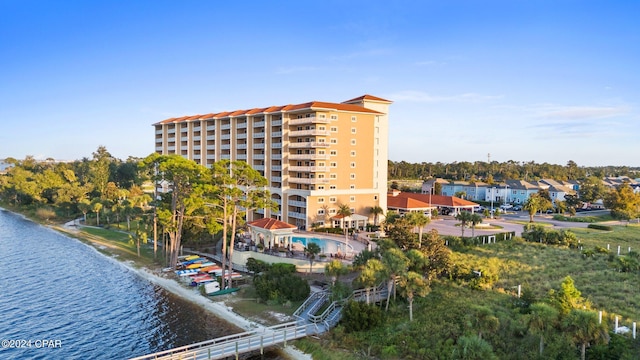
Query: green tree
x=483, y=320
x=623, y=202
x=312, y=250
x=591, y=189
x=464, y=217
x=84, y=206
x=535, y=203
x=542, y=320
x=334, y=269
x=472, y=348
x=437, y=254
x=568, y=297
x=395, y=265
x=344, y=211
x=418, y=220
x=96, y=207
x=400, y=232
x=370, y=276
x=100, y=173
x=475, y=219
x=413, y=284
x=376, y=211
x=584, y=327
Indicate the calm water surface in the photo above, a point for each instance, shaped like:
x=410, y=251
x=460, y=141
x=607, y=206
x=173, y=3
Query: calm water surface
x=60, y=299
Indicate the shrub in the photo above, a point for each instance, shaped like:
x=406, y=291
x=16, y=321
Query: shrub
x=279, y=284
x=360, y=316
x=600, y=227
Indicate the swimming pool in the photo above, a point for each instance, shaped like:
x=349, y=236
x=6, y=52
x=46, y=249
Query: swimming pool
x=327, y=246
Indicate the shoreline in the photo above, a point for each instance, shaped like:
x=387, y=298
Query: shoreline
x=218, y=309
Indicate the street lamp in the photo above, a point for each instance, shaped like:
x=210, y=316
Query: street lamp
x=492, y=196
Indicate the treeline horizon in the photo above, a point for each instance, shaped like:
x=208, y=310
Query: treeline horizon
x=498, y=171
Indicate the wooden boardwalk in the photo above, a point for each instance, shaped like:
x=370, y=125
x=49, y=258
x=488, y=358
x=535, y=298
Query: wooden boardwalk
x=307, y=323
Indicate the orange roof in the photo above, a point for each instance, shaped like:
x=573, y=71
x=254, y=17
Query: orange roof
x=367, y=97
x=271, y=224
x=283, y=108
x=439, y=200
x=405, y=203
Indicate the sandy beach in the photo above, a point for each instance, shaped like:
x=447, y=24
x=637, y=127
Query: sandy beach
x=219, y=309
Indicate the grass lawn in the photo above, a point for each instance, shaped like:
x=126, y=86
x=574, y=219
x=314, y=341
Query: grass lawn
x=543, y=267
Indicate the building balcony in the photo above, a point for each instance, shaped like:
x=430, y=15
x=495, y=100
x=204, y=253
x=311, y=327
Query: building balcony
x=276, y=122
x=277, y=201
x=241, y=136
x=225, y=127
x=171, y=139
x=308, y=168
x=241, y=156
x=225, y=156
x=277, y=145
x=171, y=148
x=258, y=167
x=309, y=120
x=225, y=147
x=297, y=215
x=211, y=137
x=196, y=128
x=258, y=156
x=258, y=145
x=211, y=127
x=225, y=137
x=276, y=134
x=276, y=156
x=259, y=135
x=159, y=132
x=241, y=146
x=158, y=140
x=308, y=157
x=308, y=181
x=171, y=131
x=197, y=138
x=296, y=203
x=276, y=179
x=159, y=148
x=310, y=132
x=307, y=145
x=184, y=130
x=197, y=147
x=211, y=156
x=241, y=126
x=258, y=124
x=196, y=157
x=276, y=167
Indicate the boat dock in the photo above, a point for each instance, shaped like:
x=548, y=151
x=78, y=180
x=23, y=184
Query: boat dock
x=307, y=323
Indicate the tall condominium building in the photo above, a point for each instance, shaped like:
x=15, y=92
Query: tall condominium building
x=316, y=156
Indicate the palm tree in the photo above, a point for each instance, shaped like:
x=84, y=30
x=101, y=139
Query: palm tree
x=585, y=328
x=370, y=276
x=376, y=211
x=419, y=220
x=535, y=203
x=413, y=284
x=464, y=217
x=395, y=264
x=344, y=211
x=543, y=318
x=312, y=250
x=484, y=320
x=96, y=206
x=475, y=219
x=334, y=269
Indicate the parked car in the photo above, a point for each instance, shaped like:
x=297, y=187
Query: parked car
x=517, y=208
x=504, y=207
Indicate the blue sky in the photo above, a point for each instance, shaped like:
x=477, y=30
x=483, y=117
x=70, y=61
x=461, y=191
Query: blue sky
x=544, y=81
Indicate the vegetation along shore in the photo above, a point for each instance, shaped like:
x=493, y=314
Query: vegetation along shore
x=553, y=292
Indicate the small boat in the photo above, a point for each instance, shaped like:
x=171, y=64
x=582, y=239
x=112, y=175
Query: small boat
x=213, y=289
x=194, y=266
x=210, y=269
x=191, y=257
x=187, y=272
x=208, y=263
x=201, y=279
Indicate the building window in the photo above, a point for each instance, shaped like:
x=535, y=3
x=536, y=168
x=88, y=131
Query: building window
x=321, y=140
x=352, y=186
x=333, y=199
x=354, y=119
x=335, y=153
x=375, y=197
x=353, y=164
x=321, y=200
x=320, y=187
x=320, y=211
x=353, y=141
x=352, y=198
x=353, y=130
x=332, y=211
x=322, y=128
x=333, y=164
x=320, y=164
x=353, y=153
x=334, y=117
x=320, y=176
x=334, y=141
x=322, y=116
x=352, y=176
x=332, y=187
x=334, y=129
x=334, y=176
x=321, y=152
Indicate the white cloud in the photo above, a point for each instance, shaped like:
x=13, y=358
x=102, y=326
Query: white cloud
x=423, y=97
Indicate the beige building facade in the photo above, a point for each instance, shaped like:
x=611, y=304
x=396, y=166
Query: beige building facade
x=316, y=155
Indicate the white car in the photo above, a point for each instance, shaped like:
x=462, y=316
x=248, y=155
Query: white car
x=505, y=207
